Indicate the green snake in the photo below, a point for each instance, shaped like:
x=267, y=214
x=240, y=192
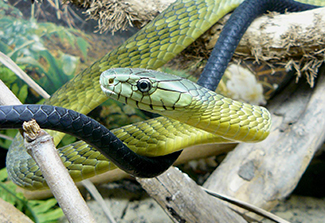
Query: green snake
x=187, y=102
x=154, y=45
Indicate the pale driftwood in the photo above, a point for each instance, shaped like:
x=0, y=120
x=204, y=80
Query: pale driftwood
x=41, y=147
x=184, y=201
x=57, y=176
x=6, y=96
x=9, y=213
x=265, y=172
x=281, y=35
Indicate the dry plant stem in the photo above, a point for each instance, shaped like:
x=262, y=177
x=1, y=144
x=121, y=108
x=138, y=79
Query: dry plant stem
x=6, y=96
x=41, y=147
x=184, y=201
x=246, y=206
x=99, y=199
x=57, y=175
x=22, y=75
x=263, y=173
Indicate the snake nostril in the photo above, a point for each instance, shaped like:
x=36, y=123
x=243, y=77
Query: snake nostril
x=111, y=80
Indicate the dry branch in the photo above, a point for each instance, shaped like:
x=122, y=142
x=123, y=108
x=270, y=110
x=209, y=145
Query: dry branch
x=263, y=173
x=9, y=213
x=45, y=154
x=296, y=40
x=184, y=201
x=40, y=146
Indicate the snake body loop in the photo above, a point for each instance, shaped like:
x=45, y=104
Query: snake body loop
x=166, y=36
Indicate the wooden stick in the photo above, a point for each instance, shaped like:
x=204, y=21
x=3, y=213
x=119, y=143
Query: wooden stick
x=42, y=149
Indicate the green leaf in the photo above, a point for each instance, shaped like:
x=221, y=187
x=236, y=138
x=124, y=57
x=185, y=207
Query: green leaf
x=43, y=206
x=42, y=211
x=4, y=48
x=22, y=94
x=3, y=174
x=4, y=143
x=83, y=46
x=46, y=211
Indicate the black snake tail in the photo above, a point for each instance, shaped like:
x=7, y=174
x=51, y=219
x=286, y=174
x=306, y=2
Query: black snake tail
x=88, y=130
x=233, y=31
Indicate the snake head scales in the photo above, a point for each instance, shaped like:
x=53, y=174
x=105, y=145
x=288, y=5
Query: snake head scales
x=183, y=100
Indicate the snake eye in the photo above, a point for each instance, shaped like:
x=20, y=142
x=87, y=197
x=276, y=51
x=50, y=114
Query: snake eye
x=144, y=85
x=111, y=80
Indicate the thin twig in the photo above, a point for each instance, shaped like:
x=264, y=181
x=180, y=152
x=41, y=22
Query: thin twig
x=247, y=206
x=6, y=137
x=98, y=198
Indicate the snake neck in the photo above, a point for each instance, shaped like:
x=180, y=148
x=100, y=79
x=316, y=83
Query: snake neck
x=223, y=116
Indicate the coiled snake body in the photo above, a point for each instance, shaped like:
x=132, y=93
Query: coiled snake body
x=157, y=43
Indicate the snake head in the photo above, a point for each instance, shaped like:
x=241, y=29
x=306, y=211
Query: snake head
x=146, y=89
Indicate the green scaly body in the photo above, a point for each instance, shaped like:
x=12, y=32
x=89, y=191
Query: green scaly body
x=154, y=45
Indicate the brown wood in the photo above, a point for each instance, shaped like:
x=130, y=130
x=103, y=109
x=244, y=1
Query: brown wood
x=184, y=201
x=265, y=172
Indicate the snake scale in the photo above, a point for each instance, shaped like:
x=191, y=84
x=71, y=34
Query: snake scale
x=158, y=42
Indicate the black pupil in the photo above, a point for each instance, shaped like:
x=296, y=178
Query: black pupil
x=144, y=85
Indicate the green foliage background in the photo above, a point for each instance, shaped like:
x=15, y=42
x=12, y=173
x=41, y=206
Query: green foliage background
x=26, y=42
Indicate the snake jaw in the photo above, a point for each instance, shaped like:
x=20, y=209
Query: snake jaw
x=164, y=92
x=108, y=92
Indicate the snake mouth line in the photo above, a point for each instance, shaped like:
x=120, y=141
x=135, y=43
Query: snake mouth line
x=107, y=91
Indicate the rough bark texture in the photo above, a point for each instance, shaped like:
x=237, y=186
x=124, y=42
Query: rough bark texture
x=184, y=201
